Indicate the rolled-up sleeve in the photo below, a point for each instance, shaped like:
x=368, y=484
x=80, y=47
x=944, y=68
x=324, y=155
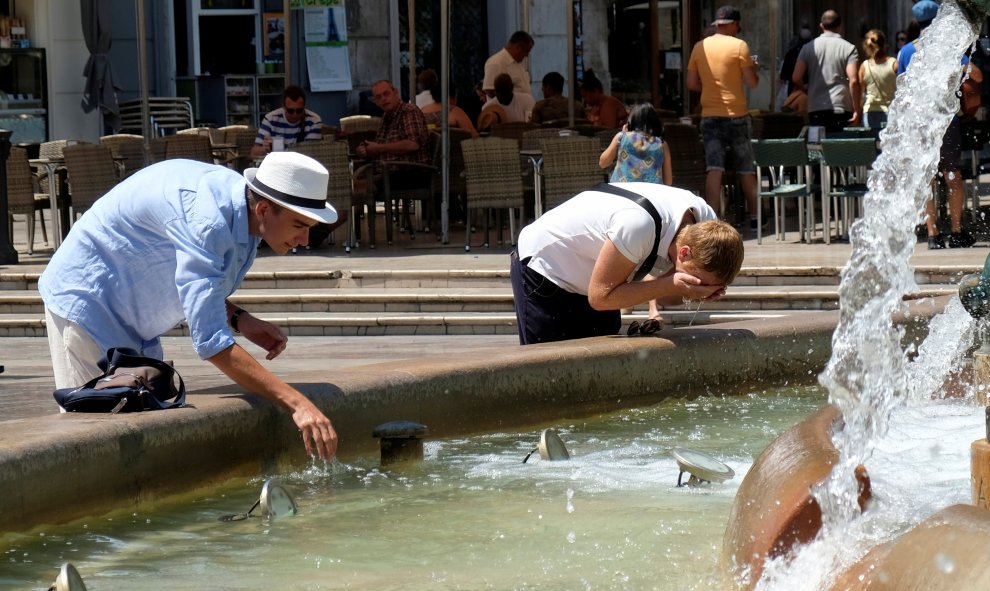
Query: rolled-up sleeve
x=203, y=252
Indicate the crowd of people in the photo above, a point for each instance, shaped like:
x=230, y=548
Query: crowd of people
x=836, y=86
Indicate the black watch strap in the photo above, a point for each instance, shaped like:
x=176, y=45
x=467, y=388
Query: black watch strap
x=234, y=317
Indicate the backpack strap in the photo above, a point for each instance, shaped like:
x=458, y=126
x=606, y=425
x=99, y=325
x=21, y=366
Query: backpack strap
x=645, y=203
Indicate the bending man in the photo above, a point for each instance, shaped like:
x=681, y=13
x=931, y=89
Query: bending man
x=171, y=243
x=615, y=246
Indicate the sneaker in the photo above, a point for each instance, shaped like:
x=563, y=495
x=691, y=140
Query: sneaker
x=961, y=239
x=936, y=242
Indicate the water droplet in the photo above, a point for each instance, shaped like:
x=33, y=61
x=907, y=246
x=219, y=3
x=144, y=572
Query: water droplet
x=945, y=563
x=571, y=537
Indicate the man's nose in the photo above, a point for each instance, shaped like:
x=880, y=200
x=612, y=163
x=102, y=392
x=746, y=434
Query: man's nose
x=303, y=238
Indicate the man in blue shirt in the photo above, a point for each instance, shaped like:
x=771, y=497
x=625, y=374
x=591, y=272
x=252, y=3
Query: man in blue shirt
x=291, y=123
x=171, y=243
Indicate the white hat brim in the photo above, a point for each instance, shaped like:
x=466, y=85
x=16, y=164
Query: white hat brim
x=326, y=214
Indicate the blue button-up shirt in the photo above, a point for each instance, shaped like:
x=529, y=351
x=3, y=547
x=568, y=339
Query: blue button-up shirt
x=169, y=243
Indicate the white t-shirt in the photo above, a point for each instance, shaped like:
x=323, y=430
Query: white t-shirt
x=517, y=109
x=564, y=243
x=424, y=99
x=502, y=62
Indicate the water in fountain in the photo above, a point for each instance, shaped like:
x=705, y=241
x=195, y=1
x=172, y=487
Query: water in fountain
x=869, y=374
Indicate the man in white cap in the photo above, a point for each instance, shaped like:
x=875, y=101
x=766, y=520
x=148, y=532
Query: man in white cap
x=171, y=243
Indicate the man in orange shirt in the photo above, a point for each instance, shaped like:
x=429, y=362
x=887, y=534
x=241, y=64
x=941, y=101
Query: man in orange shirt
x=718, y=68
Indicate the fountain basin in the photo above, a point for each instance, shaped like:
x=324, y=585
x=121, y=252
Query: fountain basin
x=105, y=462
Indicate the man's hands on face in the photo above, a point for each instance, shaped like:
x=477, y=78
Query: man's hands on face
x=690, y=287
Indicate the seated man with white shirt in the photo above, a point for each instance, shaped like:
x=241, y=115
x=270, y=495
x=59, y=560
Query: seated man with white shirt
x=518, y=106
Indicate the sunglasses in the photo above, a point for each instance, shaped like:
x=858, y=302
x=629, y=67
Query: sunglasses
x=292, y=111
x=902, y=38
x=647, y=328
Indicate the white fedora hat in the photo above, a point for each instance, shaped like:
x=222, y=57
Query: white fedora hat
x=294, y=181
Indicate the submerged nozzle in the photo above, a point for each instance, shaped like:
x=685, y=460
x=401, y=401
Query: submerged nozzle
x=974, y=291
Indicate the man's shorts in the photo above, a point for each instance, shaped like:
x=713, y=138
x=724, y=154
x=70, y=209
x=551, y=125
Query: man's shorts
x=728, y=138
x=951, y=147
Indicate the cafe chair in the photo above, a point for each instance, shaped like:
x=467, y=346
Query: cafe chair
x=356, y=123
x=241, y=136
x=189, y=146
x=91, y=174
x=783, y=171
x=333, y=156
x=845, y=165
x=128, y=152
x=687, y=156
x=22, y=197
x=513, y=130
x=570, y=165
x=493, y=176
x=533, y=139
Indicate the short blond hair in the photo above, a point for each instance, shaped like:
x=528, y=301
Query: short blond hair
x=716, y=247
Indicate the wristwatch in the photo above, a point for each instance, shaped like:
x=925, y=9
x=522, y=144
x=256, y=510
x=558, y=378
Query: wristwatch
x=233, y=319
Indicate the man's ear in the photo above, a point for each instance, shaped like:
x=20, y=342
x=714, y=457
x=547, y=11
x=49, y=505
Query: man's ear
x=683, y=253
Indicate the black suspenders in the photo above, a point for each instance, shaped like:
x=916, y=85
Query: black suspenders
x=643, y=202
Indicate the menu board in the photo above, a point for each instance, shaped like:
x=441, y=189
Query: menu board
x=325, y=39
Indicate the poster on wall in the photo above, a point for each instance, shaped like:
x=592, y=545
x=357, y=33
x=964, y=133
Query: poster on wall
x=325, y=39
x=274, y=37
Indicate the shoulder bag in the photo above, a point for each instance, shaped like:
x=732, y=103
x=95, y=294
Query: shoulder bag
x=130, y=383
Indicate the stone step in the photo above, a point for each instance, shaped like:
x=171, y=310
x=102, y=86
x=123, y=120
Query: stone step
x=474, y=300
x=317, y=324
x=404, y=279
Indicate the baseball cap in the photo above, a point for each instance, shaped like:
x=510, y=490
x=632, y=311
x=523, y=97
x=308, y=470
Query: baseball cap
x=924, y=11
x=727, y=14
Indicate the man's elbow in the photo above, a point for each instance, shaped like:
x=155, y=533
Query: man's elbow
x=598, y=303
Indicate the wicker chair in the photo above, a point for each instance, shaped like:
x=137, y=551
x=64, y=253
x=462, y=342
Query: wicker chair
x=191, y=146
x=513, y=130
x=570, y=165
x=333, y=156
x=406, y=182
x=533, y=139
x=127, y=150
x=243, y=137
x=91, y=173
x=52, y=150
x=687, y=156
x=494, y=179
x=21, y=196
x=591, y=130
x=456, y=183
x=357, y=123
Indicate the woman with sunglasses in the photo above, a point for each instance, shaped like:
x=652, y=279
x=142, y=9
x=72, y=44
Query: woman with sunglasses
x=291, y=123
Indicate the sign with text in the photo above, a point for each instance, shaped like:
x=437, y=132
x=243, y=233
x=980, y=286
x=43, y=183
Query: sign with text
x=325, y=38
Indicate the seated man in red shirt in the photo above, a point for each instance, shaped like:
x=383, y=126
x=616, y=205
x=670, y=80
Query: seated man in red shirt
x=402, y=137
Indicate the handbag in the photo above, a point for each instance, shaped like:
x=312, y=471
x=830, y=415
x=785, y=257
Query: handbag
x=130, y=383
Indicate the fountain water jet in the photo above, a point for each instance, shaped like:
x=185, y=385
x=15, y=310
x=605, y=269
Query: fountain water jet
x=869, y=373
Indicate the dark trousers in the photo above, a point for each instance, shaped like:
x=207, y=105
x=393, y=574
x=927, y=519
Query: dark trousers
x=830, y=120
x=547, y=313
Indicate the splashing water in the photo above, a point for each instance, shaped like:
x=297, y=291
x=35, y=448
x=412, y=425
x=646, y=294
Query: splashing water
x=869, y=373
